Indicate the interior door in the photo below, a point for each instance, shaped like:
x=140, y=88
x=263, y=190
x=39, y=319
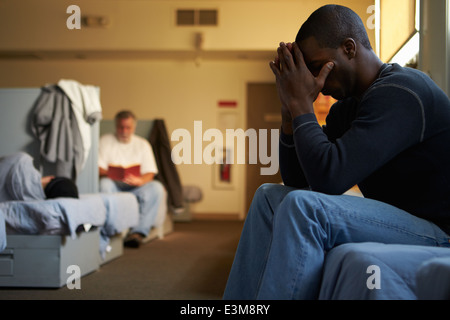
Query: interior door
x=263, y=112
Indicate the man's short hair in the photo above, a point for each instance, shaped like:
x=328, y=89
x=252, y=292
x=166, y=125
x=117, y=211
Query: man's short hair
x=124, y=114
x=330, y=25
x=61, y=187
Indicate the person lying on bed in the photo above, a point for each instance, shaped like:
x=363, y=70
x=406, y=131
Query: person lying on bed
x=388, y=133
x=20, y=181
x=59, y=187
x=123, y=149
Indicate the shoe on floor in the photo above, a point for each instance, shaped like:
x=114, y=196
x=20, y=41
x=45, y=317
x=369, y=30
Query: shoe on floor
x=133, y=240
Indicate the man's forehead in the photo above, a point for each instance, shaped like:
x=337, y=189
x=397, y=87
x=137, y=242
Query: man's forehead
x=308, y=43
x=310, y=48
x=313, y=52
x=125, y=121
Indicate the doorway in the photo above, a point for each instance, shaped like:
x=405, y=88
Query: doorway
x=263, y=112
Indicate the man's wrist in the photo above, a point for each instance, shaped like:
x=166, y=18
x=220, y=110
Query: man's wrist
x=300, y=109
x=286, y=127
x=286, y=121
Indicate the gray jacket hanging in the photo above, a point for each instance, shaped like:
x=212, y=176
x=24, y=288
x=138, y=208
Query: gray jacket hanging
x=55, y=125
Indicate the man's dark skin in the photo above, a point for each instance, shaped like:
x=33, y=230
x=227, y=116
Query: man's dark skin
x=304, y=70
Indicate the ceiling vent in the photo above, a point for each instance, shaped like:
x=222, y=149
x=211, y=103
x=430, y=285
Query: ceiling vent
x=197, y=17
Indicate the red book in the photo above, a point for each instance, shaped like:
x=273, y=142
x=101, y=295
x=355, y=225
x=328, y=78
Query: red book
x=118, y=173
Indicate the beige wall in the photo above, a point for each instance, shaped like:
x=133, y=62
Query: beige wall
x=168, y=84
x=397, y=28
x=150, y=24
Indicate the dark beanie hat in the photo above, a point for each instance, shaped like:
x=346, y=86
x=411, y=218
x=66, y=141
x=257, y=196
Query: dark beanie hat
x=61, y=187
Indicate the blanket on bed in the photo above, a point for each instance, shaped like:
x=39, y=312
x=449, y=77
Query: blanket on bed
x=61, y=216
x=111, y=213
x=122, y=213
x=19, y=179
x=24, y=209
x=2, y=233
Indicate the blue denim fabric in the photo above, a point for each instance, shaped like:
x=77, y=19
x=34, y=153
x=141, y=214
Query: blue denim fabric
x=288, y=232
x=149, y=197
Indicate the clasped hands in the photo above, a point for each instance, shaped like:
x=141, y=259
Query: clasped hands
x=133, y=180
x=137, y=181
x=297, y=87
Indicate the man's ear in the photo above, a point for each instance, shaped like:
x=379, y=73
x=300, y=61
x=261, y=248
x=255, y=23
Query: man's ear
x=349, y=46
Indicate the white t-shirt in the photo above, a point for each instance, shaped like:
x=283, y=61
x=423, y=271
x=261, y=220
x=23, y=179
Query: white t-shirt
x=137, y=151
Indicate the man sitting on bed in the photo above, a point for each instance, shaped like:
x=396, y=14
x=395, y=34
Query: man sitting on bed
x=389, y=133
x=122, y=150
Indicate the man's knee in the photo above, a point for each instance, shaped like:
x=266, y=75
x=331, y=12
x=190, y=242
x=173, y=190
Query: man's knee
x=304, y=204
x=156, y=187
x=267, y=198
x=107, y=185
x=153, y=189
x=272, y=192
x=267, y=189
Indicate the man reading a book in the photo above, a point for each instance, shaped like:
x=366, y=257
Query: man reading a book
x=127, y=164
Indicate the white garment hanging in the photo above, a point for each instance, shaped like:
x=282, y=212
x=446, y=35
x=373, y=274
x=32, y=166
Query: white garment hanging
x=86, y=107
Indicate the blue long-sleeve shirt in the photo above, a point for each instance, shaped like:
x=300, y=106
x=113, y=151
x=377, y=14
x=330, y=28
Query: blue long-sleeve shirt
x=394, y=143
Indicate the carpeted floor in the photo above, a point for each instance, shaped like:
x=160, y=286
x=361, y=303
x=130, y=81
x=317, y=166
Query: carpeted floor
x=192, y=263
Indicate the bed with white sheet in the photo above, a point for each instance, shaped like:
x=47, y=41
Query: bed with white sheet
x=43, y=238
x=43, y=235
x=53, y=234
x=112, y=214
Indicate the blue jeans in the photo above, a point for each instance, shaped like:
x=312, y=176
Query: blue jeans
x=150, y=198
x=288, y=232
